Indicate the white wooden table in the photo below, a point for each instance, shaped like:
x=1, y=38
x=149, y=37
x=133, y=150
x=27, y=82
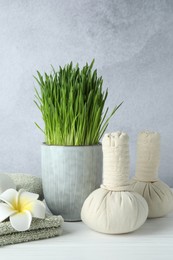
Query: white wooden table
x=153, y=241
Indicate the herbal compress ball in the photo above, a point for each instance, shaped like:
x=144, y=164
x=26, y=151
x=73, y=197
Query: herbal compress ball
x=113, y=208
x=146, y=182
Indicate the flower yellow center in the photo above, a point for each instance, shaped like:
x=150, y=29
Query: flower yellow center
x=22, y=205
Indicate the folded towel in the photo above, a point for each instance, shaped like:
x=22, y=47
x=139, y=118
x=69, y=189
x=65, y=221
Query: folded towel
x=51, y=226
x=28, y=182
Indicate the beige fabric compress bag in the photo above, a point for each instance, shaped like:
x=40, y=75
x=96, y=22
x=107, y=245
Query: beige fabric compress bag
x=146, y=182
x=113, y=208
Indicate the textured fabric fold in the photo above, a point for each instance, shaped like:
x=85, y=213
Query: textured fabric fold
x=49, y=227
x=27, y=182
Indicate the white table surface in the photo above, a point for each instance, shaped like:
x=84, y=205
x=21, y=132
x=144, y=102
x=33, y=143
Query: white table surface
x=154, y=240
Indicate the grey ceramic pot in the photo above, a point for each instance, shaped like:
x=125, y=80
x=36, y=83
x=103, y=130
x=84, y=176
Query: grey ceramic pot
x=69, y=175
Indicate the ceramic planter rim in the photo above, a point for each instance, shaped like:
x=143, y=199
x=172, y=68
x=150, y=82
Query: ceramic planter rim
x=70, y=146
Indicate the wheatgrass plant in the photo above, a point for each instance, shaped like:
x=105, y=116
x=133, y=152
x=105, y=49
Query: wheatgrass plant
x=71, y=101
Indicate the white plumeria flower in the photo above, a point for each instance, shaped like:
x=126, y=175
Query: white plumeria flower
x=20, y=206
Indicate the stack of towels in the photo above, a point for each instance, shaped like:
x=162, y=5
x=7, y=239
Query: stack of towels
x=49, y=227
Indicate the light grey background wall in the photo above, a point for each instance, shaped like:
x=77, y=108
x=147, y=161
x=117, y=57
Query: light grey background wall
x=132, y=43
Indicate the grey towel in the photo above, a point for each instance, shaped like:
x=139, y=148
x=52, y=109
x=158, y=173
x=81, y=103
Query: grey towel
x=28, y=182
x=51, y=226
